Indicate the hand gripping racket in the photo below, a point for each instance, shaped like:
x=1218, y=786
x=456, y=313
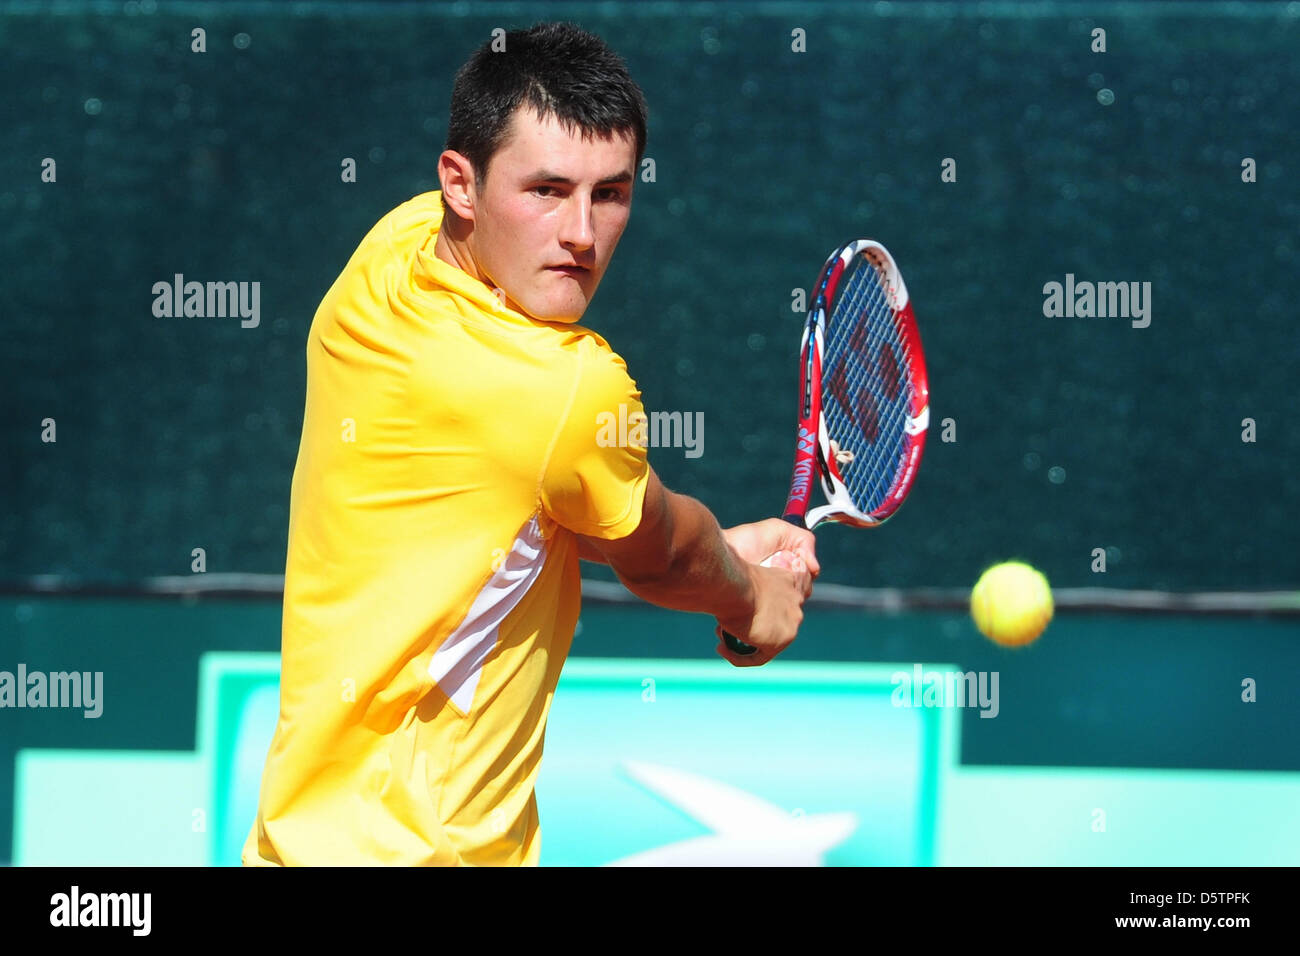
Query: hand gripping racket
x=864, y=400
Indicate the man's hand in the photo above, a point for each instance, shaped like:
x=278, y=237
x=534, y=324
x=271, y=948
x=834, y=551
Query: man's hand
x=779, y=592
x=679, y=558
x=761, y=540
x=780, y=588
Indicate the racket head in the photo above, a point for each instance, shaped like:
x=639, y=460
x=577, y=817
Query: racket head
x=864, y=406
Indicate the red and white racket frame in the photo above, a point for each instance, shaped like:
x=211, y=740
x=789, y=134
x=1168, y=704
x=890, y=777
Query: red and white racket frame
x=813, y=455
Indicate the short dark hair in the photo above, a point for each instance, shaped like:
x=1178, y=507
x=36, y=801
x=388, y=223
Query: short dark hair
x=557, y=69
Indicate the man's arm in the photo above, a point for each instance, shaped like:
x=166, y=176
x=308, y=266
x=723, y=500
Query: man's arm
x=588, y=551
x=679, y=558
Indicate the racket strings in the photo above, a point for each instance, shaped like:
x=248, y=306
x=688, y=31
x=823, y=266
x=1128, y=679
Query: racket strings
x=866, y=386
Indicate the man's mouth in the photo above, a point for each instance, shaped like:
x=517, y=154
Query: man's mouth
x=576, y=271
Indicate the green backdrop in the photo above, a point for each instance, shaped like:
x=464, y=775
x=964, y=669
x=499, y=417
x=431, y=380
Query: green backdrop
x=181, y=433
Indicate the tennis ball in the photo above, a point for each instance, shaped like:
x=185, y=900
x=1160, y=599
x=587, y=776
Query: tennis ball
x=1011, y=604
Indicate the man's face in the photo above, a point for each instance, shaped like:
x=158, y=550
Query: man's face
x=548, y=217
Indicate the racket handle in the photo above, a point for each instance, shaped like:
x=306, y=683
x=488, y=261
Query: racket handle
x=736, y=645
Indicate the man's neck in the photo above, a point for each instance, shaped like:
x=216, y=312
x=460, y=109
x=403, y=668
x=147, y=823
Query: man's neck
x=452, y=247
x=455, y=251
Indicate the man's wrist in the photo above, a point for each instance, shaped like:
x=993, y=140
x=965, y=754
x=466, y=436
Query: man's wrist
x=743, y=589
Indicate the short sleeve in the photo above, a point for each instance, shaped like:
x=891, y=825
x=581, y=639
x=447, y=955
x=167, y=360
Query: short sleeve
x=595, y=477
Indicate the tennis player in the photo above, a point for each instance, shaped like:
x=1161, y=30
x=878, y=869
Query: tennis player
x=450, y=478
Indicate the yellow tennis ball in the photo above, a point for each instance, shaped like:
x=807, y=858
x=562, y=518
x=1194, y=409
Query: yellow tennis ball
x=1011, y=604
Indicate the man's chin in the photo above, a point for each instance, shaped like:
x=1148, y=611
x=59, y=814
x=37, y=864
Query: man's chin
x=567, y=313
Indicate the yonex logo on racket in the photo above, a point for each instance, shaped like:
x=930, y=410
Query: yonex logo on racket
x=802, y=482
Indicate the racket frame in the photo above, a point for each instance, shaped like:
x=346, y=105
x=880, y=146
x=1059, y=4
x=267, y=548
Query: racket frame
x=814, y=456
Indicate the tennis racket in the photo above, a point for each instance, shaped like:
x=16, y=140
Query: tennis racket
x=864, y=400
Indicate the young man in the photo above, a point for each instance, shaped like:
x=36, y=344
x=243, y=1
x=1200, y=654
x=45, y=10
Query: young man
x=450, y=477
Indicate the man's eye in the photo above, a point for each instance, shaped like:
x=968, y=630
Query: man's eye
x=545, y=190
x=609, y=195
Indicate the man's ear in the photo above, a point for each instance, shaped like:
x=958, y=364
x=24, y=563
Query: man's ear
x=456, y=174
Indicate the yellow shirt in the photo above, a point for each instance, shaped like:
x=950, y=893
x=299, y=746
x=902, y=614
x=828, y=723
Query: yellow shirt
x=449, y=454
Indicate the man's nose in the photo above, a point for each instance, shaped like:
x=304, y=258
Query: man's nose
x=575, y=227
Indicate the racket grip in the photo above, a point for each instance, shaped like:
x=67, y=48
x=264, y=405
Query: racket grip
x=736, y=645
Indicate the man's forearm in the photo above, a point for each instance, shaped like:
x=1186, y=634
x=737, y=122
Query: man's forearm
x=703, y=573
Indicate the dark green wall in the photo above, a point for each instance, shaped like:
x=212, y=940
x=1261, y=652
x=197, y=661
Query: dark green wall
x=175, y=433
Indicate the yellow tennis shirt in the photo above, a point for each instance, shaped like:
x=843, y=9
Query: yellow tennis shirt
x=449, y=453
